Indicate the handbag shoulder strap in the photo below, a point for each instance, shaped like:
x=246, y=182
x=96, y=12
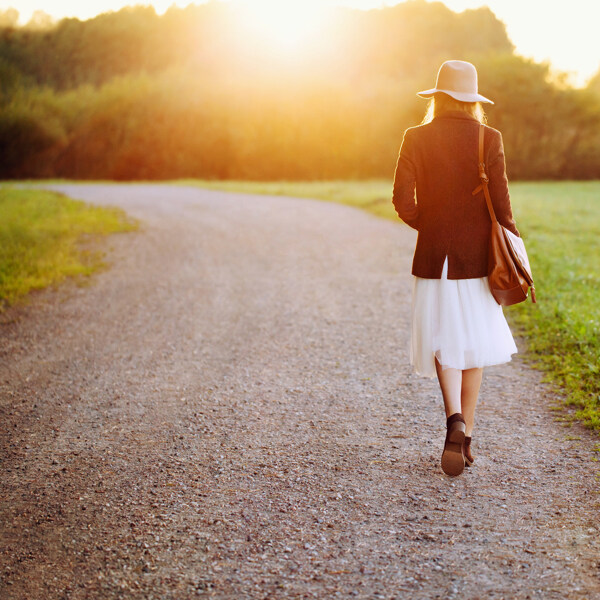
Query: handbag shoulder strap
x=483, y=176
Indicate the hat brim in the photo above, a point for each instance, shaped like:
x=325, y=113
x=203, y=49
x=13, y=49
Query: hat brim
x=460, y=96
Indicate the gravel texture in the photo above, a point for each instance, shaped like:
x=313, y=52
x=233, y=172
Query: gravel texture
x=228, y=412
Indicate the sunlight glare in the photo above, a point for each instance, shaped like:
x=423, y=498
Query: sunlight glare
x=285, y=24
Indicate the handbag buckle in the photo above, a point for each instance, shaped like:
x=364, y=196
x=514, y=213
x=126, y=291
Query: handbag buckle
x=482, y=174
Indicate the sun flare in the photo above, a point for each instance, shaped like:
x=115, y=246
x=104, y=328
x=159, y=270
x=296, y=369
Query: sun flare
x=284, y=24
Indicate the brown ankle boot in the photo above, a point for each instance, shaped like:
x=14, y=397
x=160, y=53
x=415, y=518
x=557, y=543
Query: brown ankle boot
x=469, y=458
x=453, y=458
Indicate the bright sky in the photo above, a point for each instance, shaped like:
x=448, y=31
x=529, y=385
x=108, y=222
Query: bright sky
x=564, y=33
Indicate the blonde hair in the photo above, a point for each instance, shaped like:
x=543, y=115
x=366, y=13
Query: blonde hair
x=441, y=103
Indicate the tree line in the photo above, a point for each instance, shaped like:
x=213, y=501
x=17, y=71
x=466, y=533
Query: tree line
x=194, y=93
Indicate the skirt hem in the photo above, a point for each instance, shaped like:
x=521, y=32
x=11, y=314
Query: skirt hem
x=430, y=372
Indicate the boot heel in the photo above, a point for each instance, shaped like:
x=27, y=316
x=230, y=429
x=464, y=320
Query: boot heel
x=453, y=458
x=469, y=458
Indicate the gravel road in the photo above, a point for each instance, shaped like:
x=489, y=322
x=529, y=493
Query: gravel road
x=228, y=412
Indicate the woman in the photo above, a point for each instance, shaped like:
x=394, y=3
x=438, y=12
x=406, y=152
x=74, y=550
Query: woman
x=457, y=326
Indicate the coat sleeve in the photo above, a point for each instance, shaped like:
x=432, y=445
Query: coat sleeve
x=403, y=196
x=498, y=185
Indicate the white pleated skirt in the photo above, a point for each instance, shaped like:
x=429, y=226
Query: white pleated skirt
x=458, y=322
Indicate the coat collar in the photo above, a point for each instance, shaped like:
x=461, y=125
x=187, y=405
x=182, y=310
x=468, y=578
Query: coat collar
x=455, y=114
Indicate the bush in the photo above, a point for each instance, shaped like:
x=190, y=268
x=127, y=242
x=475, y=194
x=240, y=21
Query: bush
x=25, y=137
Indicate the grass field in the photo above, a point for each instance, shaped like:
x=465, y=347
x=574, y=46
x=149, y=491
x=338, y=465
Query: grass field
x=560, y=222
x=45, y=237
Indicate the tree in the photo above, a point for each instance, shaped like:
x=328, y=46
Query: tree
x=40, y=21
x=9, y=18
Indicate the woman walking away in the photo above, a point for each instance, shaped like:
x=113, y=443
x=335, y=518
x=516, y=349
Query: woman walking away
x=457, y=326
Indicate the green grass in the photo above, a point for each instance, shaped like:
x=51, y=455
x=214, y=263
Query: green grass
x=45, y=237
x=561, y=225
x=560, y=222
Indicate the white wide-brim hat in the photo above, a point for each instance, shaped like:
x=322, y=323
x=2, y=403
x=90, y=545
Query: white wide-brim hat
x=458, y=79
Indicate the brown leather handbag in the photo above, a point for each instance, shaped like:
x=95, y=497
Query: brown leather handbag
x=509, y=272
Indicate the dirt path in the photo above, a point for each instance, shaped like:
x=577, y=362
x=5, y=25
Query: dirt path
x=228, y=413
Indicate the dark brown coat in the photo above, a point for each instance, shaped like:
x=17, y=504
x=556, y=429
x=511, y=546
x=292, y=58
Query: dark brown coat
x=439, y=161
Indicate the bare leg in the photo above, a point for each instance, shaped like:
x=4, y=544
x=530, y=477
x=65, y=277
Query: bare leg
x=450, y=384
x=469, y=393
